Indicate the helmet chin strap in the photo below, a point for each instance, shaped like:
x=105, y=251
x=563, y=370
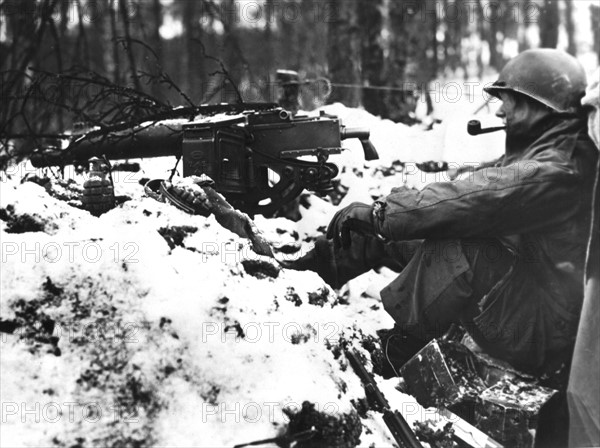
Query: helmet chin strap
x=580, y=113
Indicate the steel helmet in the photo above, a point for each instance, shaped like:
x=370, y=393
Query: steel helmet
x=552, y=77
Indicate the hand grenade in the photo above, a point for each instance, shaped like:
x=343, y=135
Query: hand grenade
x=98, y=191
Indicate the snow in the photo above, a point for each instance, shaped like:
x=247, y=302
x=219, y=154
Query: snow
x=180, y=346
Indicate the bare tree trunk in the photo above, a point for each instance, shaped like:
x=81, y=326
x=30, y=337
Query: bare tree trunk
x=115, y=43
x=269, y=35
x=289, y=44
x=195, y=60
x=156, y=39
x=434, y=48
x=407, y=60
x=82, y=46
x=58, y=51
x=343, y=53
x=447, y=37
x=57, y=46
x=100, y=57
x=572, y=49
x=523, y=27
x=157, y=44
x=129, y=47
x=457, y=38
x=372, y=56
x=234, y=58
x=549, y=24
x=64, y=18
x=27, y=37
x=482, y=37
x=495, y=58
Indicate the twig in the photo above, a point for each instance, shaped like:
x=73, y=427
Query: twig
x=223, y=70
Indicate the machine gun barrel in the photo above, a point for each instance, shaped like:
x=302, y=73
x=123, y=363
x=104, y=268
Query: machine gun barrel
x=398, y=426
x=156, y=140
x=360, y=133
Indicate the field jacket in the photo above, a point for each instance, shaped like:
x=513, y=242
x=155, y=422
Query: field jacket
x=538, y=203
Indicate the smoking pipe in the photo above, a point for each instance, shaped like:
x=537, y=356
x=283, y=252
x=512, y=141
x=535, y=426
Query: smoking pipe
x=474, y=128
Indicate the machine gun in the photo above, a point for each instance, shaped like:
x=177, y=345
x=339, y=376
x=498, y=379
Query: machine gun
x=256, y=154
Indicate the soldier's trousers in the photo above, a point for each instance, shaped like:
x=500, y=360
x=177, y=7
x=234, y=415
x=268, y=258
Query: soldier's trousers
x=440, y=282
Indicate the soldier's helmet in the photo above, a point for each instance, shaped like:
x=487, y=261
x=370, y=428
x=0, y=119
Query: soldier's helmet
x=552, y=77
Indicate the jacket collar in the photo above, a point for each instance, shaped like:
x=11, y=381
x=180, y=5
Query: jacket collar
x=546, y=135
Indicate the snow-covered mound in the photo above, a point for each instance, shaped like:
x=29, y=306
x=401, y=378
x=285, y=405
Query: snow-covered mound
x=148, y=326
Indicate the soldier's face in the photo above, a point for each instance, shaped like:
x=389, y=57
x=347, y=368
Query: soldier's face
x=510, y=111
x=519, y=114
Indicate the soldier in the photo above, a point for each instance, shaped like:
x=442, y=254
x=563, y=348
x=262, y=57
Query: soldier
x=501, y=252
x=584, y=407
x=289, y=82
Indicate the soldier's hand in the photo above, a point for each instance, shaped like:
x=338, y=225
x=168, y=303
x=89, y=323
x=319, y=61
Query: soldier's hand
x=357, y=217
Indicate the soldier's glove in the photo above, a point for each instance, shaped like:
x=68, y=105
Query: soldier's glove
x=357, y=217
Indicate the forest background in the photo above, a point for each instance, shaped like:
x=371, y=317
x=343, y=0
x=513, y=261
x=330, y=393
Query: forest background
x=382, y=55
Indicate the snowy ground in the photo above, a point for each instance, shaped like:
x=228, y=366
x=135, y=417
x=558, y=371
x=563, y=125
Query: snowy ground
x=127, y=340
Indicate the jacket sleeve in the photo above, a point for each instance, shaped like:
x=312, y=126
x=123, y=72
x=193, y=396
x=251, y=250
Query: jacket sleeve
x=495, y=201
